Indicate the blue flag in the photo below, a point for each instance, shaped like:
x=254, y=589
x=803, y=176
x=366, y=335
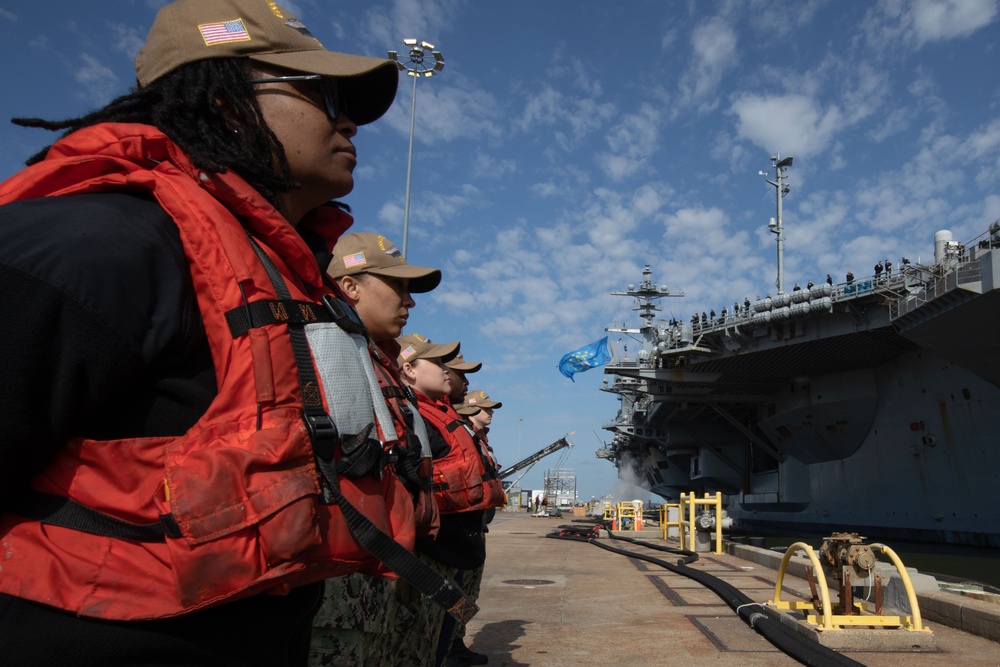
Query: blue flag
x=587, y=357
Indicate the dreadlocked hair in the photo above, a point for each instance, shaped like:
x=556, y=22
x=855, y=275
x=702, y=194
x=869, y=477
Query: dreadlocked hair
x=209, y=110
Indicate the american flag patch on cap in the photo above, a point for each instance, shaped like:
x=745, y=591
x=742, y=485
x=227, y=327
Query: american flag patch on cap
x=357, y=259
x=224, y=32
x=408, y=352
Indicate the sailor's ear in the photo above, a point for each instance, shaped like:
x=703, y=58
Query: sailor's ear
x=349, y=286
x=407, y=371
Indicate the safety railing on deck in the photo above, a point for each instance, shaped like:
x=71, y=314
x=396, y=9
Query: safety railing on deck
x=968, y=273
x=687, y=514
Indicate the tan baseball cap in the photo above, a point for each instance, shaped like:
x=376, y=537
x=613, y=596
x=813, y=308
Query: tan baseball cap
x=478, y=399
x=415, y=346
x=365, y=252
x=460, y=364
x=189, y=30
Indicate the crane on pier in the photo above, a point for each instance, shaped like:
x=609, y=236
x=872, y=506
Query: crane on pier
x=526, y=463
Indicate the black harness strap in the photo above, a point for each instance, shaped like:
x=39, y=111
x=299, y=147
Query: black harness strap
x=395, y=392
x=488, y=465
x=404, y=563
x=274, y=311
x=408, y=464
x=67, y=513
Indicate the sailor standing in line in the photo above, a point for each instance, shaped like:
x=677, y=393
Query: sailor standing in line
x=464, y=487
x=152, y=390
x=457, y=369
x=478, y=411
x=353, y=624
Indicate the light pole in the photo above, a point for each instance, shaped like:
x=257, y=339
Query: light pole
x=415, y=67
x=519, y=421
x=780, y=184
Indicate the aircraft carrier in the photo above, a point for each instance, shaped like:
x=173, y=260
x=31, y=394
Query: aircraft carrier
x=870, y=407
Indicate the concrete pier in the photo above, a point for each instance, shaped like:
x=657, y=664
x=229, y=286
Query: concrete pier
x=553, y=603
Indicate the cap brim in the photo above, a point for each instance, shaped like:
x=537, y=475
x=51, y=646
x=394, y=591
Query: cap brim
x=367, y=85
x=466, y=411
x=422, y=279
x=445, y=351
x=464, y=366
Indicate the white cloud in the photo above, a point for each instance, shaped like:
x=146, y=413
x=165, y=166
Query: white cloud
x=127, y=39
x=99, y=80
x=544, y=107
x=935, y=20
x=983, y=141
x=790, y=123
x=919, y=22
x=631, y=143
x=713, y=46
x=546, y=189
x=779, y=20
x=492, y=166
x=445, y=111
x=864, y=93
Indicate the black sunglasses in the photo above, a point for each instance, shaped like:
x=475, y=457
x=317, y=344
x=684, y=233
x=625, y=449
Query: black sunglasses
x=327, y=86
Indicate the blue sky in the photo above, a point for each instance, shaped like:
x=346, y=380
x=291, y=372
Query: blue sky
x=566, y=145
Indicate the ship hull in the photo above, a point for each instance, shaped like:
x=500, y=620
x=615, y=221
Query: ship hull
x=928, y=469
x=868, y=417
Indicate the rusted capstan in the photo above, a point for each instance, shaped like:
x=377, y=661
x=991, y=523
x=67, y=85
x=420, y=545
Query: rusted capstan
x=845, y=556
x=842, y=553
x=842, y=550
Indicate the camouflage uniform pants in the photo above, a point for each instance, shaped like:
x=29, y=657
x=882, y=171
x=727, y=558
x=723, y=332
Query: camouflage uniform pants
x=354, y=621
x=472, y=580
x=418, y=622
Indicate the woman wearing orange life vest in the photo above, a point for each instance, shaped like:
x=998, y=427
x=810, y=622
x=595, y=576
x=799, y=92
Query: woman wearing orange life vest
x=355, y=630
x=476, y=408
x=458, y=488
x=161, y=499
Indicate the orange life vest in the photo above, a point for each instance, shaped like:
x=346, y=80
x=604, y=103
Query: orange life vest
x=402, y=404
x=241, y=487
x=465, y=478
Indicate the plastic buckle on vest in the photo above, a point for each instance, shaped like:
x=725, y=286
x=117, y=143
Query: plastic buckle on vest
x=323, y=433
x=343, y=315
x=391, y=455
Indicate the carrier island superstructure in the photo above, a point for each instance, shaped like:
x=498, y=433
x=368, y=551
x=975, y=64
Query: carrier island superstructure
x=870, y=407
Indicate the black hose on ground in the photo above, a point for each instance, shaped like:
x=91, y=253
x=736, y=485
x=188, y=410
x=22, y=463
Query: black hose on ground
x=785, y=639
